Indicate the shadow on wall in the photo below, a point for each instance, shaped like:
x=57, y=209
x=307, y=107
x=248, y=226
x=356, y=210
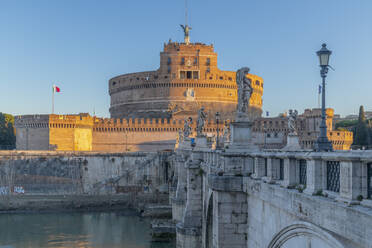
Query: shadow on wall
x=157, y=145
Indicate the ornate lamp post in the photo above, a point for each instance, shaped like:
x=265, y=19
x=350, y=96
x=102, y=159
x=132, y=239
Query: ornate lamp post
x=218, y=131
x=323, y=144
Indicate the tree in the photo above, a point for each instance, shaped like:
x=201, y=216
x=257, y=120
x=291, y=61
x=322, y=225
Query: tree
x=7, y=133
x=347, y=124
x=361, y=130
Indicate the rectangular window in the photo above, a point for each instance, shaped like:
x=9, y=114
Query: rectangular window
x=189, y=74
x=195, y=75
x=182, y=74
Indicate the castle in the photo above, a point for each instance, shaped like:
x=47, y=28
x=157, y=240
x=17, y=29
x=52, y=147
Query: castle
x=148, y=109
x=188, y=78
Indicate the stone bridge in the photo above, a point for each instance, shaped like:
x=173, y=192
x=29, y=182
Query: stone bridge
x=266, y=199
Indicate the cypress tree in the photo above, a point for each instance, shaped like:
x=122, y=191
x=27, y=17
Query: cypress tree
x=361, y=131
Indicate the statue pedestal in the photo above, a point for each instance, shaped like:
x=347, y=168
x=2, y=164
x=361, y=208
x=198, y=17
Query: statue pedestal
x=185, y=144
x=293, y=143
x=201, y=144
x=241, y=136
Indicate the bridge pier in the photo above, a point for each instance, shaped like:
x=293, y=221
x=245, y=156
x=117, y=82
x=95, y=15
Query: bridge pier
x=179, y=201
x=189, y=230
x=229, y=224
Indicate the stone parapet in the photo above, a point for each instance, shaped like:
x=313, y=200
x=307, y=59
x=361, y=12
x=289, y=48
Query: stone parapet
x=225, y=183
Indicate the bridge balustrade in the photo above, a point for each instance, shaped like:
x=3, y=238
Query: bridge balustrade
x=369, y=180
x=346, y=176
x=302, y=171
x=333, y=176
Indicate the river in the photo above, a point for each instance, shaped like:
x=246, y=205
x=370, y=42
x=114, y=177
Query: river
x=80, y=230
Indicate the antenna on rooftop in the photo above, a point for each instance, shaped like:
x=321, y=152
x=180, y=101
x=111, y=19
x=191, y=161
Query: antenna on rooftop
x=186, y=28
x=186, y=12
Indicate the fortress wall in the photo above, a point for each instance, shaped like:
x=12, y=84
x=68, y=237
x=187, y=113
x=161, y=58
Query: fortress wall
x=79, y=133
x=155, y=98
x=125, y=79
x=121, y=135
x=83, y=139
x=21, y=139
x=32, y=138
x=32, y=132
x=71, y=139
x=71, y=132
x=38, y=138
x=62, y=139
x=133, y=141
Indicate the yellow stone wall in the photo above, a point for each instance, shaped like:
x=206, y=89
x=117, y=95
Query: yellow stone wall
x=83, y=139
x=70, y=132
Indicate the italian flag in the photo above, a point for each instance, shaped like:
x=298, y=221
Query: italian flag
x=56, y=89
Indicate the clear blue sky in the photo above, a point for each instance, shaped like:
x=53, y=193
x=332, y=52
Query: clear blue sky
x=81, y=44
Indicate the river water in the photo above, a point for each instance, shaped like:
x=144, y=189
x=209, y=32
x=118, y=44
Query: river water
x=81, y=230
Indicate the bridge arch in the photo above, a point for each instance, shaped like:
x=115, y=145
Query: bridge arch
x=304, y=234
x=209, y=222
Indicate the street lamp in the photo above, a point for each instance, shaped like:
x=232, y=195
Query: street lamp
x=218, y=131
x=323, y=144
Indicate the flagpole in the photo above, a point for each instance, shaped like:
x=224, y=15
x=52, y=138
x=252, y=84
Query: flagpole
x=53, y=99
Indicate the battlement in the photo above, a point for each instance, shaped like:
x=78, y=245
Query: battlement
x=147, y=125
x=135, y=76
x=181, y=47
x=317, y=112
x=31, y=121
x=107, y=124
x=53, y=121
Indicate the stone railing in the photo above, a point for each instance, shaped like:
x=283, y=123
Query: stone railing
x=343, y=175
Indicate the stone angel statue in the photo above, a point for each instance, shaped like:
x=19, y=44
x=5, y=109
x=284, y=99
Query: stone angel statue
x=244, y=90
x=186, y=29
x=179, y=137
x=187, y=127
x=202, y=116
x=226, y=132
x=292, y=117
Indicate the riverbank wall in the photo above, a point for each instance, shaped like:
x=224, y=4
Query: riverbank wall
x=63, y=203
x=44, y=180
